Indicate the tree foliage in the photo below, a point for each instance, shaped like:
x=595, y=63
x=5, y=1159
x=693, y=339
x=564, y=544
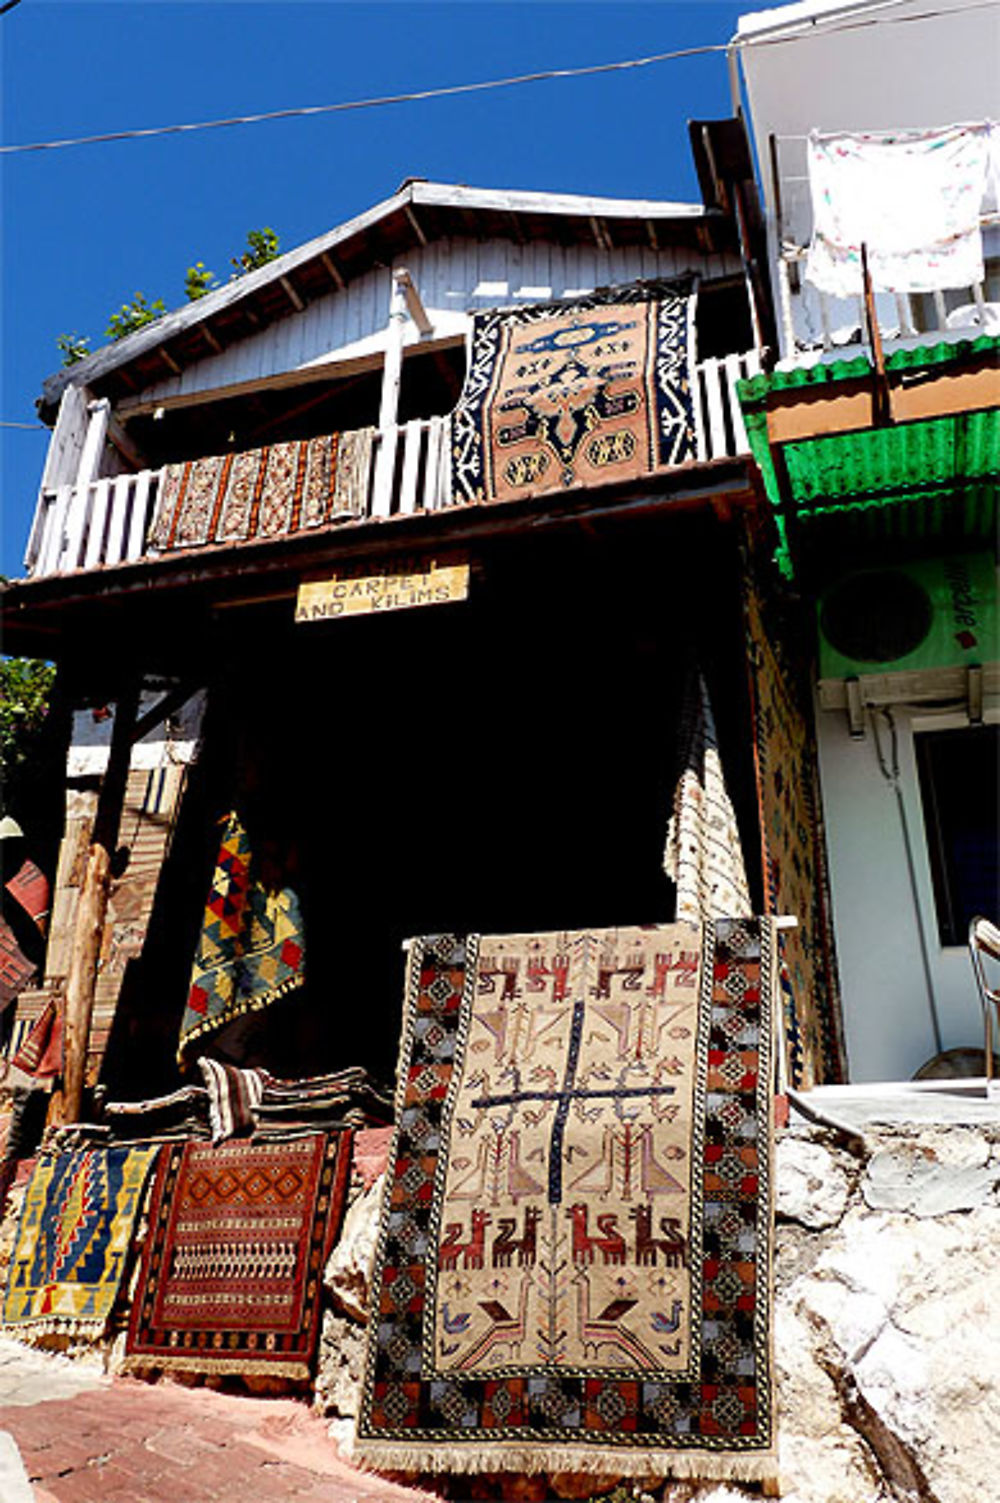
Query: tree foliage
x=261, y=247
x=25, y=690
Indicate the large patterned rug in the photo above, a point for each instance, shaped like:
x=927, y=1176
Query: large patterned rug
x=232, y=1268
x=73, y=1240
x=575, y=393
x=573, y=1269
x=252, y=949
x=262, y=493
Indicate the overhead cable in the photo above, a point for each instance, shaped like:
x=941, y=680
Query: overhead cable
x=739, y=43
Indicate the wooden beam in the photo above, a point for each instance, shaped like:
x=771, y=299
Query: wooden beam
x=881, y=394
x=92, y=904
x=125, y=446
x=169, y=361
x=803, y=412
x=211, y=340
x=601, y=233
x=296, y=299
x=414, y=223
x=333, y=270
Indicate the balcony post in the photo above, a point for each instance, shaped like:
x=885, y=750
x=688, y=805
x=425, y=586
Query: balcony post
x=392, y=374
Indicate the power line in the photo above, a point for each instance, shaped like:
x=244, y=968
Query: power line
x=449, y=91
x=30, y=426
x=367, y=104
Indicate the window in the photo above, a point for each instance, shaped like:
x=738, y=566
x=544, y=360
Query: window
x=958, y=788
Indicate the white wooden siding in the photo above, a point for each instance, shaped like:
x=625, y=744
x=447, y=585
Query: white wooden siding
x=453, y=277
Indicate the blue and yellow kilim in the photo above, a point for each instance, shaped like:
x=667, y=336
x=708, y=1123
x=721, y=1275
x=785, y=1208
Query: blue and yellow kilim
x=73, y=1240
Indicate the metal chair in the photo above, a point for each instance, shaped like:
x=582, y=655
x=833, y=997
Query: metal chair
x=984, y=946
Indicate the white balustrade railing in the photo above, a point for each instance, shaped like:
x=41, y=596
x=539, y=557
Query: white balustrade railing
x=88, y=526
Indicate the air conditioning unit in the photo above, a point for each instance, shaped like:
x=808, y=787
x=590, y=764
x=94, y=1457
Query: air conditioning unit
x=928, y=620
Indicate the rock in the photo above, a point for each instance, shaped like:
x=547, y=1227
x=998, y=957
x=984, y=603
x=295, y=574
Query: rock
x=348, y=1269
x=340, y=1367
x=813, y=1185
x=909, y=1177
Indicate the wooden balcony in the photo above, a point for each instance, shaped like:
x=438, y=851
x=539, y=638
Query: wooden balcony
x=106, y=521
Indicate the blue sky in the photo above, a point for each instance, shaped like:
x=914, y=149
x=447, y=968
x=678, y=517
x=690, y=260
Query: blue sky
x=85, y=228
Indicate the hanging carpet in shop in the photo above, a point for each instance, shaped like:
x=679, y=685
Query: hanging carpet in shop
x=573, y=1265
x=73, y=1239
x=796, y=881
x=703, y=855
x=285, y=488
x=576, y=393
x=29, y=886
x=232, y=1269
x=16, y=970
x=251, y=950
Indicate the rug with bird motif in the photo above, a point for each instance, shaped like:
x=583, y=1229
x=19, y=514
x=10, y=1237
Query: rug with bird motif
x=573, y=1268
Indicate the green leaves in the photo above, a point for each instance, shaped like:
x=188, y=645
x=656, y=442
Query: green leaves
x=261, y=247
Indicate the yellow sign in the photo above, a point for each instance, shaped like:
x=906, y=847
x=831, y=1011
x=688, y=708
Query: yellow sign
x=401, y=584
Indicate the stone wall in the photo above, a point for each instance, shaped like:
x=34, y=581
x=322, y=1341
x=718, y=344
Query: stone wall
x=887, y=1319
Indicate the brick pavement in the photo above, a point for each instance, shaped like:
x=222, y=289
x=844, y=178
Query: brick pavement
x=84, y=1438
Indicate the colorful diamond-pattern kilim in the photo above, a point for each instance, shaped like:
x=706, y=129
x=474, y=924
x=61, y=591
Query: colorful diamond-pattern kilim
x=73, y=1240
x=231, y=1276
x=582, y=392
x=273, y=492
x=573, y=1269
x=251, y=950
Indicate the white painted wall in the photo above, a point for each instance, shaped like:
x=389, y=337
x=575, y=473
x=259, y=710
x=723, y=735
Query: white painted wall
x=453, y=277
x=887, y=1014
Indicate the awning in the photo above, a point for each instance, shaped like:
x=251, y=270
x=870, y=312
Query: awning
x=908, y=453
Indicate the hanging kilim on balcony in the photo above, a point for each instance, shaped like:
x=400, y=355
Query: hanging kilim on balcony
x=573, y=1267
x=73, y=1239
x=576, y=393
x=794, y=861
x=263, y=493
x=251, y=950
x=232, y=1270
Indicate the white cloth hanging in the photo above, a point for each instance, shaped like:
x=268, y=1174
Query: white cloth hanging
x=913, y=199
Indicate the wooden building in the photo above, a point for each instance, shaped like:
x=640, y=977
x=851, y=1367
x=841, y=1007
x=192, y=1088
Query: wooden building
x=503, y=761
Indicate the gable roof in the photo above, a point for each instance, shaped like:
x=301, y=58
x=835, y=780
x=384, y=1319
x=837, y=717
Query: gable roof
x=415, y=215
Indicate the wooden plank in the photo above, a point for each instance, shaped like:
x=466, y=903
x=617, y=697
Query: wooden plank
x=75, y=531
x=92, y=451
x=51, y=548
x=713, y=402
x=121, y=497
x=62, y=460
x=136, y=543
x=92, y=906
x=401, y=584
x=735, y=368
x=805, y=412
x=433, y=494
x=412, y=438
x=99, y=502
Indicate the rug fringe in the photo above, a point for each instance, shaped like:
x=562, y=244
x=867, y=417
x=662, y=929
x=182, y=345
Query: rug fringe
x=26, y=1331
x=646, y=1465
x=195, y=1362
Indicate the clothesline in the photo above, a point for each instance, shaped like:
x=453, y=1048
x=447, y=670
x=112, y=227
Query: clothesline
x=900, y=132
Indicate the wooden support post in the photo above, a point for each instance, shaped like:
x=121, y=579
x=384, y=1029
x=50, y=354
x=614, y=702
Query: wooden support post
x=92, y=905
x=881, y=394
x=392, y=375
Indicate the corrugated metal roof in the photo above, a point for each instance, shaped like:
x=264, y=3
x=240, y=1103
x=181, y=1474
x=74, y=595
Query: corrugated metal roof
x=914, y=481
